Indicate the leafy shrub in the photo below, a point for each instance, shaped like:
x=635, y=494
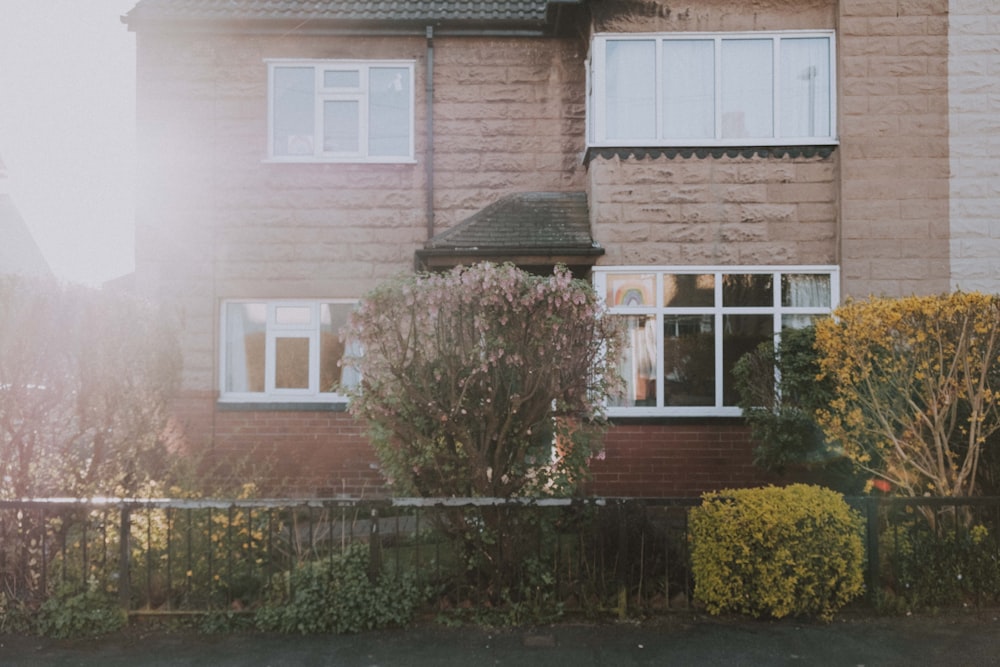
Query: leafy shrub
x=916, y=383
x=15, y=616
x=773, y=551
x=71, y=612
x=469, y=378
x=928, y=569
x=338, y=596
x=782, y=415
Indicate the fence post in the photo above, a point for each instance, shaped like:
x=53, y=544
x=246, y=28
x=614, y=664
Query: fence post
x=374, y=548
x=872, y=505
x=124, y=553
x=624, y=562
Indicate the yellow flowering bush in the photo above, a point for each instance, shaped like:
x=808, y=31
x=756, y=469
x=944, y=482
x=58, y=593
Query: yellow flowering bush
x=776, y=551
x=915, y=387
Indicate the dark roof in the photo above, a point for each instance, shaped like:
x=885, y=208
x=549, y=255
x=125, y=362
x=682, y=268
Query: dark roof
x=320, y=14
x=539, y=227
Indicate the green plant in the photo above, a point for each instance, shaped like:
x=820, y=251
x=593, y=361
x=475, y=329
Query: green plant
x=779, y=394
x=71, y=612
x=338, y=596
x=776, y=551
x=928, y=569
x=15, y=616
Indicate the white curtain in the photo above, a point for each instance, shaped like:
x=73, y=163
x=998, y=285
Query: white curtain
x=747, y=88
x=805, y=87
x=630, y=89
x=689, y=89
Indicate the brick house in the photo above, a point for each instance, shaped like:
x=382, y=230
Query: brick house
x=719, y=168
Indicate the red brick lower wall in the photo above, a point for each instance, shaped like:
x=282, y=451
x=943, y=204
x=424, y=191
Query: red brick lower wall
x=677, y=458
x=324, y=453
x=289, y=453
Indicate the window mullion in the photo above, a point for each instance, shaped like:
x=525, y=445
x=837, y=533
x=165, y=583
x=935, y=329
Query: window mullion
x=319, y=127
x=776, y=87
x=270, y=351
x=658, y=92
x=718, y=88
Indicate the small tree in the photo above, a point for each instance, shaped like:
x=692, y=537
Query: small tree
x=485, y=381
x=915, y=387
x=84, y=378
x=488, y=382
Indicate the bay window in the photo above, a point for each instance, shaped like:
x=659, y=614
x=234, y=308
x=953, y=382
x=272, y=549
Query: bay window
x=284, y=351
x=686, y=327
x=340, y=110
x=696, y=89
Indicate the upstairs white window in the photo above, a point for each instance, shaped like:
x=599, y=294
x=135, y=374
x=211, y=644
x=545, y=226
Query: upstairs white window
x=695, y=89
x=284, y=351
x=338, y=110
x=687, y=327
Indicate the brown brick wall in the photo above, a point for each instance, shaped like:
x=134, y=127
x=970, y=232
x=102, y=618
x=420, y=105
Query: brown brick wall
x=288, y=453
x=680, y=458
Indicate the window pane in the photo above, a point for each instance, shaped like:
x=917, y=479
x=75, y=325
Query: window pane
x=332, y=375
x=342, y=79
x=741, y=334
x=805, y=87
x=341, y=126
x=688, y=89
x=245, y=338
x=293, y=123
x=389, y=111
x=689, y=290
x=689, y=360
x=291, y=361
x=747, y=290
x=637, y=363
x=631, y=289
x=747, y=95
x=293, y=315
x=797, y=321
x=805, y=291
x=630, y=95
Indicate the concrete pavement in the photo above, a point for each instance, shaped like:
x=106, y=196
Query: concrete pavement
x=967, y=640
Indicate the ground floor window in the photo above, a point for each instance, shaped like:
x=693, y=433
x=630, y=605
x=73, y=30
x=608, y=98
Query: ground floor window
x=687, y=326
x=285, y=350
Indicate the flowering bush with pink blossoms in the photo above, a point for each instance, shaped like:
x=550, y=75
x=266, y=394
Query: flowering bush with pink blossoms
x=485, y=381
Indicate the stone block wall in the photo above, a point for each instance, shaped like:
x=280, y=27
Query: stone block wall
x=974, y=143
x=715, y=211
x=893, y=100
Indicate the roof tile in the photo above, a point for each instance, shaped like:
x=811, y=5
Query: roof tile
x=524, y=221
x=367, y=11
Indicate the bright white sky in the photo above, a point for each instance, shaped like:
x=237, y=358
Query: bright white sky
x=67, y=131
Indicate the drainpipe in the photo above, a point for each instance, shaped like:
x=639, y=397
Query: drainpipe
x=429, y=155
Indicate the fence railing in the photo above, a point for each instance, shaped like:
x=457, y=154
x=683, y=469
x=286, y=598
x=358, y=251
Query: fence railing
x=605, y=554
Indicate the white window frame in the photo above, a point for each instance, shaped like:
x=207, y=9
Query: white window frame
x=597, y=84
x=717, y=311
x=323, y=93
x=275, y=330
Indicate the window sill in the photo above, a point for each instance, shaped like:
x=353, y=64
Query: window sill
x=358, y=161
x=678, y=420
x=284, y=406
x=671, y=152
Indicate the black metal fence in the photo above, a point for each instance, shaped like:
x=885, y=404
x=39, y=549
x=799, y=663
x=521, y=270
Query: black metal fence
x=606, y=555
